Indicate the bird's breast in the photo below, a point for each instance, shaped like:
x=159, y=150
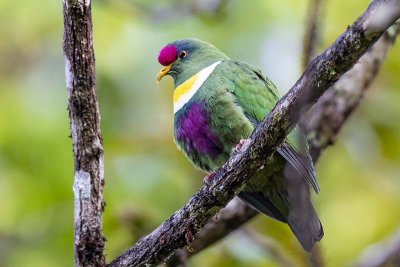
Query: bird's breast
x=193, y=130
x=185, y=91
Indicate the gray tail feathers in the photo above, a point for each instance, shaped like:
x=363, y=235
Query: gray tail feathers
x=306, y=227
x=302, y=219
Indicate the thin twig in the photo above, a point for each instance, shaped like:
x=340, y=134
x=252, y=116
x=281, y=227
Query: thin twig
x=383, y=253
x=310, y=42
x=316, y=257
x=175, y=11
x=310, y=39
x=85, y=133
x=269, y=246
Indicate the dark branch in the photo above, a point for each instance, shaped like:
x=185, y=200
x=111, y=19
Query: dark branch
x=325, y=119
x=384, y=253
x=310, y=39
x=310, y=42
x=235, y=214
x=175, y=11
x=321, y=73
x=85, y=132
x=270, y=246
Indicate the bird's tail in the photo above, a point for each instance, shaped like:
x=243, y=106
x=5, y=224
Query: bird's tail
x=306, y=226
x=299, y=213
x=302, y=218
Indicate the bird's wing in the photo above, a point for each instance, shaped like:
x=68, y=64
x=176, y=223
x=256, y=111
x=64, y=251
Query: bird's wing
x=257, y=96
x=295, y=151
x=261, y=203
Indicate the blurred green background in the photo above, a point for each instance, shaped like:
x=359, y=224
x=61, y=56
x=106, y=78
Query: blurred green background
x=147, y=179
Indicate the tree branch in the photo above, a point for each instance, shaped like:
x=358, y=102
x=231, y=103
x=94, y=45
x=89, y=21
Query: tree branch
x=175, y=11
x=85, y=133
x=320, y=74
x=310, y=39
x=325, y=119
x=270, y=246
x=310, y=42
x=235, y=214
x=384, y=253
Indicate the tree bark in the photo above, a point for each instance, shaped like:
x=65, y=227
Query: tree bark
x=320, y=74
x=326, y=117
x=85, y=133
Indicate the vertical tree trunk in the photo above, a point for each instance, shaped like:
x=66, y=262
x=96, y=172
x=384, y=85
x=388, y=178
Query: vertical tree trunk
x=85, y=132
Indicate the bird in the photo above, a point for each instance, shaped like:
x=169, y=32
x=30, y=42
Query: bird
x=217, y=103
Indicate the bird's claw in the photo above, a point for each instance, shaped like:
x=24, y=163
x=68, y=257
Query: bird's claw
x=208, y=180
x=241, y=143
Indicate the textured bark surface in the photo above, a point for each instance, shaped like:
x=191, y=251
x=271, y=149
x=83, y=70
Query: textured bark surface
x=326, y=117
x=235, y=214
x=85, y=133
x=321, y=73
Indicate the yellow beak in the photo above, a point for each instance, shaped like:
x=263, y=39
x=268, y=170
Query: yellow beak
x=163, y=72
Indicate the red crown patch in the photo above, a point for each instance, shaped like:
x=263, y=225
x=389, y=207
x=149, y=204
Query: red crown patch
x=167, y=55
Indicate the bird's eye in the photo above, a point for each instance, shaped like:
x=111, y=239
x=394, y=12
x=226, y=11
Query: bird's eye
x=182, y=54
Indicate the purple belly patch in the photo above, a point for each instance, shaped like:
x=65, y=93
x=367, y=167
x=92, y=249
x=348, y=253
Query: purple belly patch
x=194, y=132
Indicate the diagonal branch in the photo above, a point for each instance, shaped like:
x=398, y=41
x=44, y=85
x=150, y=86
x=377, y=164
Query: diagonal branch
x=270, y=246
x=322, y=125
x=320, y=74
x=85, y=133
x=325, y=118
x=383, y=253
x=234, y=215
x=174, y=11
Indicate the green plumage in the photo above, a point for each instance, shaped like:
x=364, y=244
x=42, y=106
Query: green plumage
x=230, y=103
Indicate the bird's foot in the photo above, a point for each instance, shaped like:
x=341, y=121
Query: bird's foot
x=189, y=237
x=208, y=180
x=243, y=143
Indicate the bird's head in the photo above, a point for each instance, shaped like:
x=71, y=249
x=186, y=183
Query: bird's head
x=183, y=58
